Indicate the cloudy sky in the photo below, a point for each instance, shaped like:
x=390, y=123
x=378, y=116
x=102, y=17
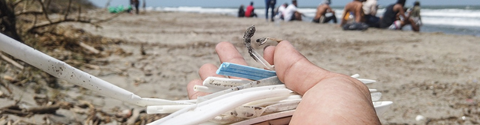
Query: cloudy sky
x=261, y=3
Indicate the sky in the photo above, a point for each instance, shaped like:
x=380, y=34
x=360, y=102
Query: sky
x=261, y=3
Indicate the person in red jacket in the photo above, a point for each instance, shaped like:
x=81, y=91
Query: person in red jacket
x=250, y=11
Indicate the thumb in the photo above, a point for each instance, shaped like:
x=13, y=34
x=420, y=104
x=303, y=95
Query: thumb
x=296, y=71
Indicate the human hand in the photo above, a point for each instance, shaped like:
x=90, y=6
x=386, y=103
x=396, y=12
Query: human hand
x=327, y=97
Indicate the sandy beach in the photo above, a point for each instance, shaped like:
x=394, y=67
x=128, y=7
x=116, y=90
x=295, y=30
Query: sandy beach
x=433, y=75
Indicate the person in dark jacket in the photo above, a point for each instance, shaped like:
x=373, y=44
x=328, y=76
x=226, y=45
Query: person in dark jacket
x=241, y=11
x=395, y=18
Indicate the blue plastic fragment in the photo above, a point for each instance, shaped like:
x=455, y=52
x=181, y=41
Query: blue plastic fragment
x=236, y=70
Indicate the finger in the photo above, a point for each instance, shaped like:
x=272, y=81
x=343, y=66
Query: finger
x=194, y=94
x=268, y=54
x=208, y=70
x=295, y=70
x=228, y=53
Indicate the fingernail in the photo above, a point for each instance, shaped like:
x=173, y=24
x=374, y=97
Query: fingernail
x=265, y=47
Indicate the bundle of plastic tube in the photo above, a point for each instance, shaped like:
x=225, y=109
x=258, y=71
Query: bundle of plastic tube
x=242, y=101
x=231, y=100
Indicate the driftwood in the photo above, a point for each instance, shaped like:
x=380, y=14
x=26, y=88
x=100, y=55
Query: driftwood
x=12, y=109
x=11, y=61
x=51, y=109
x=16, y=110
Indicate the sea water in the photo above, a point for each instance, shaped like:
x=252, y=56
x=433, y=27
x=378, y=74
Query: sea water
x=462, y=20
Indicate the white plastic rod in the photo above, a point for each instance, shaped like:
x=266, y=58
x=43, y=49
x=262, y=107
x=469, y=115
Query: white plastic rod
x=223, y=83
x=164, y=109
x=66, y=72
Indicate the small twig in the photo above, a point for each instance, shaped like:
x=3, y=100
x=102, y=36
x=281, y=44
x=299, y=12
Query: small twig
x=34, y=21
x=6, y=87
x=44, y=109
x=108, y=3
x=44, y=10
x=108, y=19
x=11, y=61
x=61, y=21
x=68, y=10
x=79, y=12
x=15, y=112
x=48, y=3
x=18, y=2
x=29, y=13
x=89, y=48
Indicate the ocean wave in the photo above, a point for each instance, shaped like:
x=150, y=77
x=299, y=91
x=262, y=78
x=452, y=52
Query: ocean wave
x=452, y=21
x=451, y=13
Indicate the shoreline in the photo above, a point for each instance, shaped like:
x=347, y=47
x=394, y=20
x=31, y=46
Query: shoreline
x=451, y=23
x=422, y=73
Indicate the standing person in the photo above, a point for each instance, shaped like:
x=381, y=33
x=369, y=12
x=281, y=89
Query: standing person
x=353, y=12
x=322, y=10
x=136, y=4
x=414, y=14
x=250, y=11
x=370, y=8
x=291, y=13
x=241, y=11
x=394, y=11
x=144, y=5
x=270, y=4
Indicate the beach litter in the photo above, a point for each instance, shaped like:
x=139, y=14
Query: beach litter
x=232, y=101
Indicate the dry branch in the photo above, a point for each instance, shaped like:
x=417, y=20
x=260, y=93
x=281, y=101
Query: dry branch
x=61, y=21
x=66, y=18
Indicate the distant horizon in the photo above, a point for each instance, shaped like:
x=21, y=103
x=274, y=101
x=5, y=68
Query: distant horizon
x=261, y=3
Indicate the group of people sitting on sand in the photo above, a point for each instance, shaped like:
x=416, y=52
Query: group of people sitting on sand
x=357, y=15
x=286, y=12
x=363, y=12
